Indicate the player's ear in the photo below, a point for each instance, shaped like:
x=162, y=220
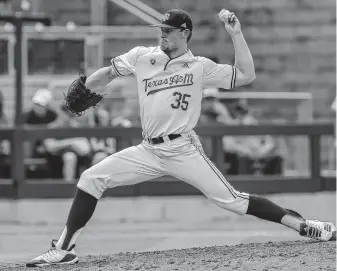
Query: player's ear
x=186, y=33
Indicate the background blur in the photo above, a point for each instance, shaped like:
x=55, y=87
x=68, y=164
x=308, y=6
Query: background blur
x=292, y=42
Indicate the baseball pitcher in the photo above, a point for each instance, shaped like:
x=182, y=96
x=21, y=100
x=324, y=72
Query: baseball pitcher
x=170, y=80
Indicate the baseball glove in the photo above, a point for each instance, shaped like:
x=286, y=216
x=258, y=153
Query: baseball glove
x=79, y=98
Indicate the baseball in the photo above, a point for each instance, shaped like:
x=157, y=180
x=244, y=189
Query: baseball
x=224, y=14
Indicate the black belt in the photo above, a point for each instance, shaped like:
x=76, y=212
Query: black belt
x=159, y=140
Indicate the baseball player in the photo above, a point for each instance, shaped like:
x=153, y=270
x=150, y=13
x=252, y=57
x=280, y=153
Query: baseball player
x=170, y=81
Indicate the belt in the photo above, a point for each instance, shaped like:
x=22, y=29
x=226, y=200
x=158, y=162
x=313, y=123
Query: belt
x=159, y=140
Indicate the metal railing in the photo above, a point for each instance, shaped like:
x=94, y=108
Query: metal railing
x=19, y=187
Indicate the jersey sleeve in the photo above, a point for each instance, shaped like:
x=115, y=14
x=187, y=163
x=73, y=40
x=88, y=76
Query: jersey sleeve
x=125, y=64
x=218, y=75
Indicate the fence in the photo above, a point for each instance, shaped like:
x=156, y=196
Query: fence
x=300, y=103
x=18, y=187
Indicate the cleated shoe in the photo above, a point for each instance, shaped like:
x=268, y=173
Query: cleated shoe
x=54, y=256
x=323, y=231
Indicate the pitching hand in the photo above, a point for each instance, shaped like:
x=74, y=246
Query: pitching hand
x=232, y=23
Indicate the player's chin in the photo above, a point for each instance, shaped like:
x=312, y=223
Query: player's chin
x=164, y=47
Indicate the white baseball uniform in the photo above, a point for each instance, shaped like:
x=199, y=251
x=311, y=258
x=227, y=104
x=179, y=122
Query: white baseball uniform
x=170, y=94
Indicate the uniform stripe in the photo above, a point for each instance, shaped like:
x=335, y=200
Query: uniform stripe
x=115, y=68
x=237, y=193
x=218, y=173
x=231, y=188
x=234, y=81
x=233, y=77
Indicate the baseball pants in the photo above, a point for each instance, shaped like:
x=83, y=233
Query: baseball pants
x=182, y=158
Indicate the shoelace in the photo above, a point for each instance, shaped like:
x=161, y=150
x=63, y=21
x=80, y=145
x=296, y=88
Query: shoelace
x=328, y=227
x=314, y=230
x=50, y=252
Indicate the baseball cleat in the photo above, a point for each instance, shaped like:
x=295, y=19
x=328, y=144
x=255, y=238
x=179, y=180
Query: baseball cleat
x=323, y=231
x=54, y=256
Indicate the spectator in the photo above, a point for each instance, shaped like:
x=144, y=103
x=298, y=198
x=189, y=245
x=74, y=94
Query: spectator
x=100, y=117
x=118, y=113
x=121, y=110
x=3, y=118
x=41, y=112
x=76, y=152
x=211, y=113
x=119, y=107
x=332, y=151
x=4, y=144
x=121, y=122
x=101, y=147
x=60, y=154
x=258, y=153
x=213, y=110
x=5, y=7
x=40, y=115
x=208, y=112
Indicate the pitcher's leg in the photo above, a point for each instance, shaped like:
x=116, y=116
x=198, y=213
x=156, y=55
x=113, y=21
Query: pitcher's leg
x=196, y=169
x=130, y=166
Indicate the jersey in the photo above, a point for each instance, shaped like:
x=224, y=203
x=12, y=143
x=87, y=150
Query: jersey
x=170, y=90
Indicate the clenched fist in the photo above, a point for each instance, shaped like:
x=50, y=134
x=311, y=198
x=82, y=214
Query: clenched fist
x=232, y=23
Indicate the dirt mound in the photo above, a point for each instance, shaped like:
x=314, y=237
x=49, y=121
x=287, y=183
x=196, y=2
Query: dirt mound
x=298, y=255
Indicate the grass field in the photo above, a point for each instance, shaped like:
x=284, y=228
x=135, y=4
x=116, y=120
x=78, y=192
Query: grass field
x=169, y=233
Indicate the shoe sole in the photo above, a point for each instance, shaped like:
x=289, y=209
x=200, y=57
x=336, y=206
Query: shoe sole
x=74, y=261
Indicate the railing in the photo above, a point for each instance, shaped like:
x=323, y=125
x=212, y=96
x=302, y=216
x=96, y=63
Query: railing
x=18, y=187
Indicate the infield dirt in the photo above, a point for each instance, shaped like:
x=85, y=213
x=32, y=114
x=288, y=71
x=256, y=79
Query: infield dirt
x=293, y=255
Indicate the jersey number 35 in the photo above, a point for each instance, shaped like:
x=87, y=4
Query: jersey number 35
x=181, y=101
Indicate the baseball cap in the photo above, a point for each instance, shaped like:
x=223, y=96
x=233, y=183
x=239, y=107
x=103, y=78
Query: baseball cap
x=176, y=18
x=42, y=97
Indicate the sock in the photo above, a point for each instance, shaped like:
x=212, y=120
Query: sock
x=267, y=210
x=292, y=220
x=81, y=211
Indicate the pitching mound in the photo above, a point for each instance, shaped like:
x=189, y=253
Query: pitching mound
x=296, y=255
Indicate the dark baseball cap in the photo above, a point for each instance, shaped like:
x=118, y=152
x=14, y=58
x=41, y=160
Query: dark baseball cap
x=176, y=18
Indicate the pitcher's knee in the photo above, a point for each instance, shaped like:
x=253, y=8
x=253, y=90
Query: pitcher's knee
x=69, y=157
x=237, y=205
x=92, y=183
